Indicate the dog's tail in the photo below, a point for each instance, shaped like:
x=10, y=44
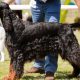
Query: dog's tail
x=75, y=25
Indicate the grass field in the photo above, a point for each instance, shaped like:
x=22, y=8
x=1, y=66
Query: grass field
x=64, y=68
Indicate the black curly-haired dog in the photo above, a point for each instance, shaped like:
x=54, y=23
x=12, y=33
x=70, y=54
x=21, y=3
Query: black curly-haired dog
x=31, y=41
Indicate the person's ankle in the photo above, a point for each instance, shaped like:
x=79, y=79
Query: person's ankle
x=49, y=76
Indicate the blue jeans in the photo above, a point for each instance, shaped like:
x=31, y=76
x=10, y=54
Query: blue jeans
x=40, y=14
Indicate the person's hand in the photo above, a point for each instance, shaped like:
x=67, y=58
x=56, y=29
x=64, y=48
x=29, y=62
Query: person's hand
x=44, y=1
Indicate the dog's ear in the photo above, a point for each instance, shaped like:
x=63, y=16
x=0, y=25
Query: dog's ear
x=6, y=20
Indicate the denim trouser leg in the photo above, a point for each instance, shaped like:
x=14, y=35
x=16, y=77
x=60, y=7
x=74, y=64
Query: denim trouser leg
x=50, y=59
x=50, y=62
x=37, y=16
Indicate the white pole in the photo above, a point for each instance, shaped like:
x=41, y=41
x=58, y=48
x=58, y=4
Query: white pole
x=27, y=7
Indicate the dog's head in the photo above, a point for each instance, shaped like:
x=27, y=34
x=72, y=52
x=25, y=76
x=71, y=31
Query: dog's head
x=4, y=15
x=2, y=7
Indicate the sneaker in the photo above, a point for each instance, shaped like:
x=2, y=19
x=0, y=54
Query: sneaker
x=49, y=76
x=35, y=70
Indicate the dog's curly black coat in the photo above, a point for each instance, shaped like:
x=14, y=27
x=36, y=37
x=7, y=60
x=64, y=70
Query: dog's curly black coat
x=31, y=41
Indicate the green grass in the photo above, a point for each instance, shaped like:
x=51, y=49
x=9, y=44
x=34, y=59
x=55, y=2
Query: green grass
x=64, y=69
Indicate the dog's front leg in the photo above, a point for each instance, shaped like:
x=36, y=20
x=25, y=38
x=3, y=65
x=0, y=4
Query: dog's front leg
x=12, y=73
x=20, y=66
x=17, y=67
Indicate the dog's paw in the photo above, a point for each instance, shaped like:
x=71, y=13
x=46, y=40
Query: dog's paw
x=73, y=75
x=6, y=78
x=9, y=78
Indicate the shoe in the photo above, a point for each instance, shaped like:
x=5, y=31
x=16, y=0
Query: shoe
x=49, y=76
x=35, y=70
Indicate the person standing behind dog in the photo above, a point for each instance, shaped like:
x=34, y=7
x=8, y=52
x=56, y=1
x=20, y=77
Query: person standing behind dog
x=46, y=11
